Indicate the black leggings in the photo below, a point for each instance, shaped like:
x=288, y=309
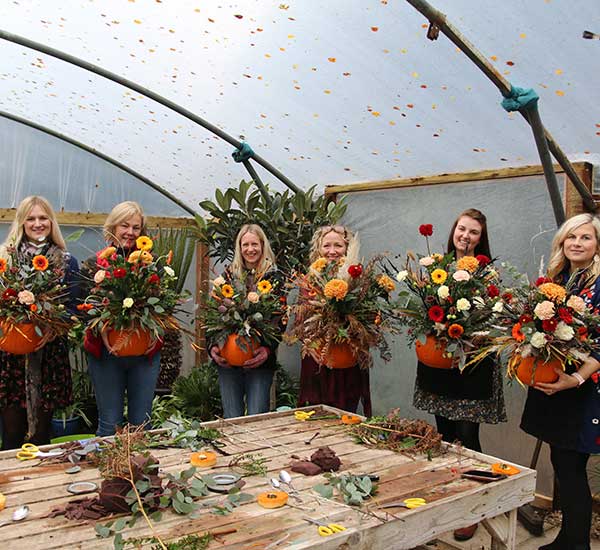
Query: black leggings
x=14, y=427
x=459, y=430
x=575, y=497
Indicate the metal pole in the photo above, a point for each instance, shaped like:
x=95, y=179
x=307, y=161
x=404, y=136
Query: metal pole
x=257, y=181
x=148, y=93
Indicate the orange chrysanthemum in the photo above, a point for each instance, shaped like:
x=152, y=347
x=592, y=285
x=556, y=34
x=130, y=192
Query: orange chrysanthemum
x=554, y=292
x=319, y=264
x=455, y=330
x=469, y=263
x=227, y=291
x=386, y=283
x=336, y=288
x=3, y=265
x=40, y=262
x=517, y=333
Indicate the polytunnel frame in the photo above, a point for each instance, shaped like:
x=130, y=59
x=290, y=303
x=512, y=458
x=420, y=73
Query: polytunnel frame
x=243, y=151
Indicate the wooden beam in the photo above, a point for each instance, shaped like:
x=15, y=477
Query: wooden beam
x=201, y=291
x=88, y=219
x=573, y=202
x=438, y=179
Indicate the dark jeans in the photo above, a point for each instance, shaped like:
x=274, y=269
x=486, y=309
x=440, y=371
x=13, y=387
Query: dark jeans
x=254, y=384
x=575, y=497
x=113, y=376
x=462, y=430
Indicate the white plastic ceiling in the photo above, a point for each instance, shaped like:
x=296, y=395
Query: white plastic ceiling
x=328, y=91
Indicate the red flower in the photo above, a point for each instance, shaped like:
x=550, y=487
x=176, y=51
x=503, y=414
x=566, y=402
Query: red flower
x=507, y=297
x=517, y=333
x=455, y=330
x=493, y=291
x=549, y=325
x=565, y=315
x=355, y=270
x=541, y=280
x=582, y=333
x=426, y=229
x=119, y=273
x=9, y=293
x=154, y=279
x=436, y=314
x=524, y=319
x=482, y=259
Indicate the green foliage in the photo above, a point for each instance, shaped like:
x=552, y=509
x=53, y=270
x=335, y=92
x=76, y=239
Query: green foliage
x=185, y=433
x=288, y=388
x=198, y=393
x=182, y=243
x=251, y=464
x=233, y=499
x=190, y=542
x=354, y=489
x=289, y=221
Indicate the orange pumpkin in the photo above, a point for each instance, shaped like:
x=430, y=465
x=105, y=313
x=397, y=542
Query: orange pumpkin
x=234, y=353
x=506, y=469
x=127, y=343
x=203, y=459
x=272, y=499
x=18, y=338
x=530, y=372
x=432, y=353
x=351, y=419
x=339, y=356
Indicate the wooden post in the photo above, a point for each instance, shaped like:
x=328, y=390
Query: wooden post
x=202, y=275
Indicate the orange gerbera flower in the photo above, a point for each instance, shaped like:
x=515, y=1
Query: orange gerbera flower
x=455, y=330
x=554, y=292
x=40, y=262
x=386, y=283
x=517, y=333
x=469, y=263
x=264, y=286
x=33, y=308
x=3, y=265
x=336, y=288
x=227, y=291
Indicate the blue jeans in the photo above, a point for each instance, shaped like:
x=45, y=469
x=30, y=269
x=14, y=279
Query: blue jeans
x=255, y=384
x=113, y=376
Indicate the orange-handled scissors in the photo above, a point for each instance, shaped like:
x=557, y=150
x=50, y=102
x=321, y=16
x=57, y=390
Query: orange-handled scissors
x=29, y=451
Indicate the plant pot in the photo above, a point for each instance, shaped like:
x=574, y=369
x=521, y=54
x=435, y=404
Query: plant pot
x=70, y=426
x=432, y=353
x=18, y=338
x=236, y=355
x=339, y=356
x=528, y=372
x=129, y=342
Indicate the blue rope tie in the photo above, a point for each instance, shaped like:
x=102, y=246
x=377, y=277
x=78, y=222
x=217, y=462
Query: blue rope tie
x=519, y=98
x=244, y=153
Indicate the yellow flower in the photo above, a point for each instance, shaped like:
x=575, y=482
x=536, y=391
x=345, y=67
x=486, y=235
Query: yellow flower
x=386, y=283
x=555, y=292
x=227, y=291
x=336, y=288
x=264, y=287
x=319, y=264
x=144, y=243
x=134, y=256
x=107, y=252
x=437, y=257
x=468, y=263
x=146, y=257
x=439, y=276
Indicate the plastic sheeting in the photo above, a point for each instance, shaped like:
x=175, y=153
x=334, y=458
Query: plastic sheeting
x=328, y=92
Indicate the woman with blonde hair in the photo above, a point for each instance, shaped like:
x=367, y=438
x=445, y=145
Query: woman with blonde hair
x=27, y=403
x=565, y=414
x=246, y=389
x=341, y=388
x=114, y=377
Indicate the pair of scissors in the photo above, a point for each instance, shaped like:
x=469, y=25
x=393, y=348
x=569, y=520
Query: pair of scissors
x=409, y=503
x=326, y=529
x=29, y=451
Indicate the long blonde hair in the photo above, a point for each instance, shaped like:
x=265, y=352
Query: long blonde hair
x=558, y=261
x=16, y=233
x=121, y=212
x=267, y=259
x=350, y=238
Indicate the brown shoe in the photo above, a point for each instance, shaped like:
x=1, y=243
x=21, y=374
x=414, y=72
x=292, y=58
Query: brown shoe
x=465, y=533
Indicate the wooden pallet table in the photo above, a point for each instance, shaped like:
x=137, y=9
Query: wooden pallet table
x=452, y=502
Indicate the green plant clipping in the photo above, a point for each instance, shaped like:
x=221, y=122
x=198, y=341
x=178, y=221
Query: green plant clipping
x=353, y=489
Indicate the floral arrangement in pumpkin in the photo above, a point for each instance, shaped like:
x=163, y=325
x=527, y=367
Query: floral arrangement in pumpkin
x=455, y=301
x=32, y=291
x=253, y=310
x=133, y=292
x=544, y=321
x=343, y=305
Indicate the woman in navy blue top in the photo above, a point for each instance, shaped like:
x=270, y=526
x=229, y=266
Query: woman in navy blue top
x=566, y=413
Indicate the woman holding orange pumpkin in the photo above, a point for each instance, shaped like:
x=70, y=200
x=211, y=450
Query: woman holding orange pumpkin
x=245, y=384
x=32, y=386
x=343, y=388
x=566, y=413
x=461, y=401
x=114, y=376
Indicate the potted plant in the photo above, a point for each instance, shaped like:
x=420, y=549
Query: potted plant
x=68, y=420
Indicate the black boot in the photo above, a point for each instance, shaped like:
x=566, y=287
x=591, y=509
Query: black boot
x=556, y=544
